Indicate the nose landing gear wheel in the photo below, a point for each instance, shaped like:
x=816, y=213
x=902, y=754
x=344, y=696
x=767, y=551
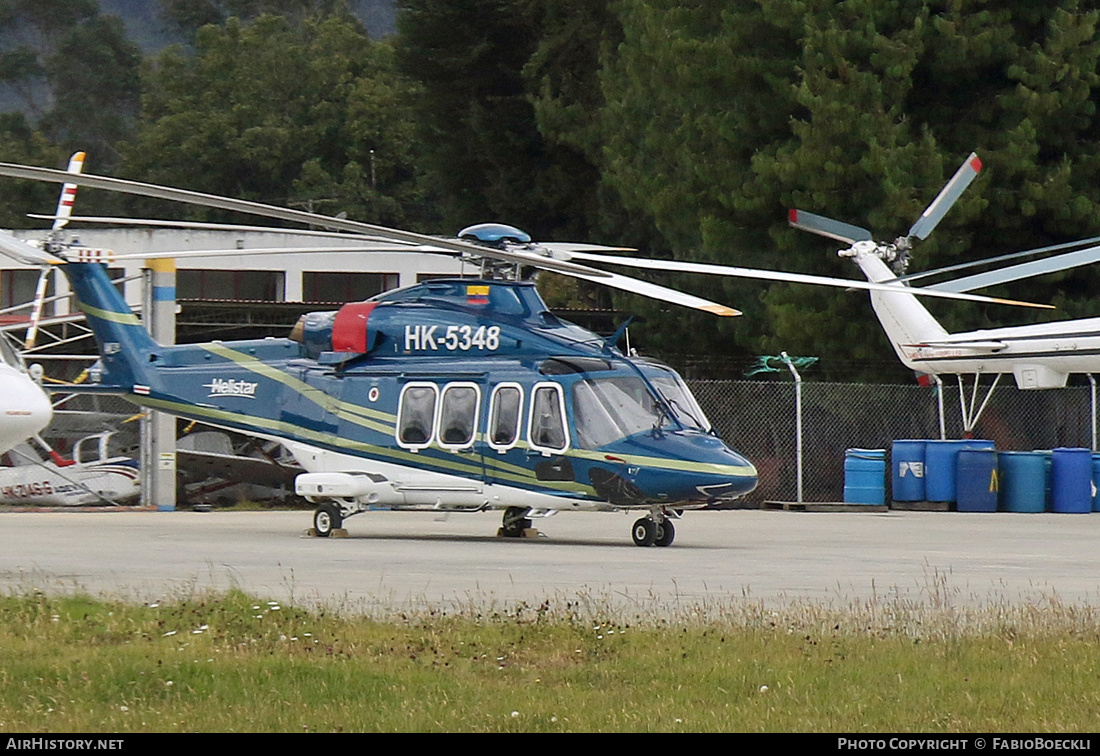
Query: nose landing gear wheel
x=644, y=532
x=326, y=519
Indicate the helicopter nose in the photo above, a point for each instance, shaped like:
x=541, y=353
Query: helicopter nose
x=24, y=408
x=690, y=468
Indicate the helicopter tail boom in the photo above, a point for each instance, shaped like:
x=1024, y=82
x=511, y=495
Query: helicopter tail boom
x=904, y=318
x=126, y=349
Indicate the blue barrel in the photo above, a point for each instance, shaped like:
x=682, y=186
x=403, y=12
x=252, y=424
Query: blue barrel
x=865, y=476
x=1071, y=481
x=940, y=462
x=976, y=480
x=1096, y=482
x=907, y=470
x=1023, y=478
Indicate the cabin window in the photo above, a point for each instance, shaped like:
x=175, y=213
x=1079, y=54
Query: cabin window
x=608, y=409
x=458, y=415
x=505, y=410
x=546, y=426
x=416, y=415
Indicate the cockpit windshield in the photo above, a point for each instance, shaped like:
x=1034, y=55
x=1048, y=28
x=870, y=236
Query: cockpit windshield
x=674, y=391
x=607, y=409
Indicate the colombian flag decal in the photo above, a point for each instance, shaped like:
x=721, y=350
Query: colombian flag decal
x=477, y=295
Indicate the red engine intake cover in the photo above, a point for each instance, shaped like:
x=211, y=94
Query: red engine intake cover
x=349, y=329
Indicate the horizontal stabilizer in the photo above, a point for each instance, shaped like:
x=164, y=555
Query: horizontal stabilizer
x=978, y=347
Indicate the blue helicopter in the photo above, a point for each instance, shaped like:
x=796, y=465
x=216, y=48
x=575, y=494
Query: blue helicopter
x=447, y=396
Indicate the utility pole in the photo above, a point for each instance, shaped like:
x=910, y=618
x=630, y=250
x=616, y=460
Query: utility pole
x=158, y=447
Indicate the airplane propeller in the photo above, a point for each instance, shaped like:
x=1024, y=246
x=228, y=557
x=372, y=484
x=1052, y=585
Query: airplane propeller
x=511, y=246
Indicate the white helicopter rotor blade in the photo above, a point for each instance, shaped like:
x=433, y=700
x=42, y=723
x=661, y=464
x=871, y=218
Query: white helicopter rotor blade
x=25, y=253
x=91, y=255
x=655, y=291
x=822, y=226
x=64, y=211
x=520, y=257
x=36, y=309
x=1023, y=270
x=999, y=259
x=932, y=215
x=769, y=275
x=569, y=247
x=255, y=208
x=108, y=220
x=68, y=193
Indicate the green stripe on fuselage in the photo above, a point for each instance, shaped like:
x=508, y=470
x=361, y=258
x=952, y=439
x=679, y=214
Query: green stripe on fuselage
x=354, y=413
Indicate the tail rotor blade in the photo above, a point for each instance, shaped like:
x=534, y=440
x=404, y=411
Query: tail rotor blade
x=68, y=193
x=833, y=229
x=928, y=220
x=36, y=310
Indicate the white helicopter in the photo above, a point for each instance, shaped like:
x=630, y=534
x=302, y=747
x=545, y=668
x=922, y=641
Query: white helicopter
x=25, y=409
x=1039, y=356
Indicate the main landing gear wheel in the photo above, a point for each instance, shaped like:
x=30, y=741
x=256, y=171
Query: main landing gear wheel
x=644, y=532
x=326, y=519
x=650, y=532
x=515, y=522
x=665, y=533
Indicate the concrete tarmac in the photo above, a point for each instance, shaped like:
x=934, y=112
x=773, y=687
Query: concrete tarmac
x=394, y=560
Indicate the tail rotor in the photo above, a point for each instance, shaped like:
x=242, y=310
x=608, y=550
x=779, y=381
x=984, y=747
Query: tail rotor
x=895, y=253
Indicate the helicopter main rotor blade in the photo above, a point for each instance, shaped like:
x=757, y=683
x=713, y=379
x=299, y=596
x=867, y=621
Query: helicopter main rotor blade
x=25, y=253
x=300, y=216
x=769, y=275
x=515, y=256
x=822, y=226
x=83, y=254
x=999, y=258
x=1023, y=270
x=934, y=213
x=114, y=221
x=655, y=291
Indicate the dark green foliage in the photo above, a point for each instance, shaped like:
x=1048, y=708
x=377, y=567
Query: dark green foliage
x=686, y=129
x=73, y=70
x=726, y=114
x=20, y=143
x=309, y=114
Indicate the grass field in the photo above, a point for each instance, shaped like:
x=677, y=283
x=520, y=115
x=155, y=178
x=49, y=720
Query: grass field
x=235, y=663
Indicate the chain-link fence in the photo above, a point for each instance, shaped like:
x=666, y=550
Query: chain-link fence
x=758, y=419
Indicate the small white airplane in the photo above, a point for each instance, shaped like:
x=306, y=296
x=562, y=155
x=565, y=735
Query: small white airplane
x=1040, y=356
x=93, y=476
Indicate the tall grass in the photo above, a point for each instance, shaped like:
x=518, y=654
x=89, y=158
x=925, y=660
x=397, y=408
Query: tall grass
x=232, y=663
